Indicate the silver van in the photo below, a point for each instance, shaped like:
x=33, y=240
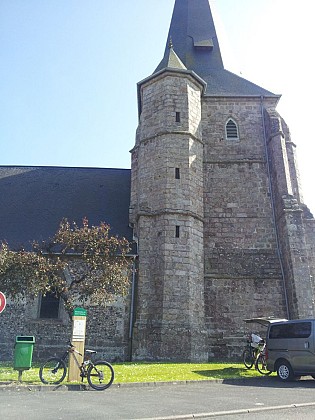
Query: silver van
x=291, y=348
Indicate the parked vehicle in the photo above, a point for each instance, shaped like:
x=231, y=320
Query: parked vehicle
x=291, y=348
x=255, y=352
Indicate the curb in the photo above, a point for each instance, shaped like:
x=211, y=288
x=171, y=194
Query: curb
x=15, y=386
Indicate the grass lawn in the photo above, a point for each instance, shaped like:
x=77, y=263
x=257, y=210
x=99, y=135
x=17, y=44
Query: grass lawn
x=149, y=372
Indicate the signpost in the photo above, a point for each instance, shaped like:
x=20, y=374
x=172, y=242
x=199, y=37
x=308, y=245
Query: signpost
x=78, y=340
x=3, y=302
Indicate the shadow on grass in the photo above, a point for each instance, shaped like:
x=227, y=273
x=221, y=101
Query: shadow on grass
x=225, y=373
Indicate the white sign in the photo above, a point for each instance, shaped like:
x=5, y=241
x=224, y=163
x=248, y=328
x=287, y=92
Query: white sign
x=78, y=329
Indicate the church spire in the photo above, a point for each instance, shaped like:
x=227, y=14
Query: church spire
x=196, y=46
x=193, y=36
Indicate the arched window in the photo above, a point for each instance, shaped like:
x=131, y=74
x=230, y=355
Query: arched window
x=231, y=130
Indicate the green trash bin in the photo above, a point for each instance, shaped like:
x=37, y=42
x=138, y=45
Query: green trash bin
x=23, y=352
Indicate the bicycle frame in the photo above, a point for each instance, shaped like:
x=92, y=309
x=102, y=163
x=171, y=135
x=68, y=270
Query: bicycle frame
x=82, y=367
x=260, y=362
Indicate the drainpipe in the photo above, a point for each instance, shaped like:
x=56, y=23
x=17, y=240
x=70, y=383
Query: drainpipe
x=132, y=308
x=273, y=208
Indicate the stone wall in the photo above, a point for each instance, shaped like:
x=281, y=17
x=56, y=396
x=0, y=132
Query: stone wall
x=231, y=300
x=242, y=271
x=106, y=331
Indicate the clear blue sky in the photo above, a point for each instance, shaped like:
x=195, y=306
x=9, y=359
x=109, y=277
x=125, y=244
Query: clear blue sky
x=69, y=69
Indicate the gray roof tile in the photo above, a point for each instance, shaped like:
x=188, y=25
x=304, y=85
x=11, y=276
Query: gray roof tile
x=35, y=199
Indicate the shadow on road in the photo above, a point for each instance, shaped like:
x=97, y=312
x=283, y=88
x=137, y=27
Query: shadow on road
x=262, y=381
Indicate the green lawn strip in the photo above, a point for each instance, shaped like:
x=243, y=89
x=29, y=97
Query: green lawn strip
x=8, y=374
x=149, y=372
x=166, y=372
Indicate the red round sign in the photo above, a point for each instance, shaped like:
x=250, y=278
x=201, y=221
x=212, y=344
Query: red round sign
x=2, y=302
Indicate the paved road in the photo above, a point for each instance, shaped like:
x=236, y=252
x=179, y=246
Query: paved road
x=262, y=398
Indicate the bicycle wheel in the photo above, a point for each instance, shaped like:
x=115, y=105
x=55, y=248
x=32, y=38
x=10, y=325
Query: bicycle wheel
x=261, y=365
x=248, y=358
x=53, y=371
x=100, y=375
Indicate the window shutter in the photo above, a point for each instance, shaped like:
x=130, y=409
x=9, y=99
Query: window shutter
x=231, y=130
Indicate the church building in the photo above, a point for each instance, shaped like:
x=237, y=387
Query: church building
x=212, y=203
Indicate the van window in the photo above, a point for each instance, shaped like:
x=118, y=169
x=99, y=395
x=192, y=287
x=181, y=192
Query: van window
x=287, y=330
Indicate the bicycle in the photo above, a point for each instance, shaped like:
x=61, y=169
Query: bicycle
x=261, y=362
x=99, y=374
x=250, y=352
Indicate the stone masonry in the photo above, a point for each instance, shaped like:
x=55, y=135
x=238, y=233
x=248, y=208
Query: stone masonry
x=107, y=330
x=167, y=213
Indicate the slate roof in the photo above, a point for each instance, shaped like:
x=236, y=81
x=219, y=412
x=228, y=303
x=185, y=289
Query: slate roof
x=35, y=199
x=193, y=36
x=172, y=60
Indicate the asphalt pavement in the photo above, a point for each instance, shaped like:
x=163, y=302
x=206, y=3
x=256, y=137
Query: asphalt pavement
x=264, y=398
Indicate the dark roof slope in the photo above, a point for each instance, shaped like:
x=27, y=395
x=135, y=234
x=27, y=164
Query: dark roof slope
x=193, y=36
x=192, y=24
x=35, y=199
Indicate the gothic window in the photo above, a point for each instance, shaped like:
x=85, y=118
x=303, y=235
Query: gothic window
x=177, y=173
x=177, y=232
x=231, y=130
x=49, y=306
x=177, y=118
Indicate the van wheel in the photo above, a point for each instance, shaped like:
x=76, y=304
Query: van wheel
x=284, y=371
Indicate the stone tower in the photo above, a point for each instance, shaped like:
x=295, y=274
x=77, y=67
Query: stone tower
x=167, y=212
x=216, y=207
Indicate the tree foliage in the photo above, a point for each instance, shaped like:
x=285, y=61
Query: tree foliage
x=79, y=265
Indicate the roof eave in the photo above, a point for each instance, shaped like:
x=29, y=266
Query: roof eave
x=232, y=95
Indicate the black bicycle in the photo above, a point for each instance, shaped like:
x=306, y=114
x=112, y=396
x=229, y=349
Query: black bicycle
x=250, y=353
x=99, y=374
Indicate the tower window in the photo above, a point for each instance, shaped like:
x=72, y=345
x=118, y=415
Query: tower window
x=177, y=232
x=177, y=118
x=177, y=173
x=231, y=130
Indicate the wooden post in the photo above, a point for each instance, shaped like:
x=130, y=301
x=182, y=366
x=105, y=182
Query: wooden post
x=78, y=340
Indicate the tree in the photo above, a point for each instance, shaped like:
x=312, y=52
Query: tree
x=78, y=264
